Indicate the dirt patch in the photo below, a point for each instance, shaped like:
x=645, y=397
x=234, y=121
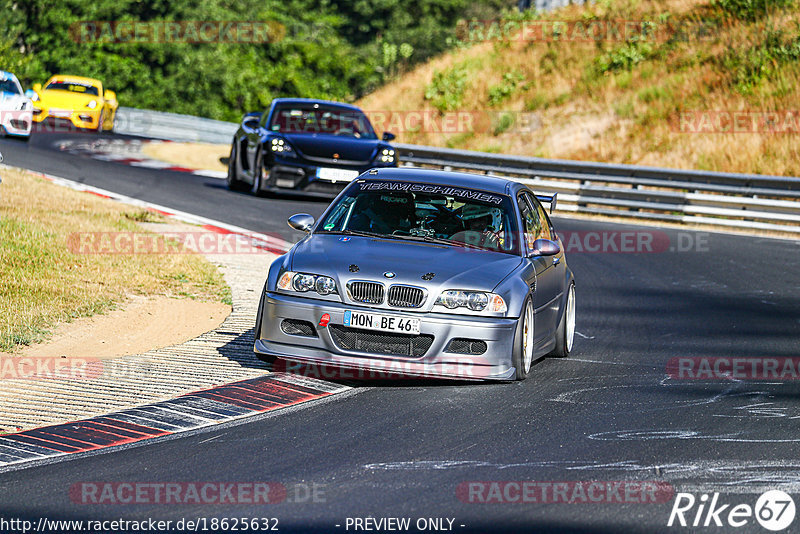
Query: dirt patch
x=200, y=156
x=139, y=325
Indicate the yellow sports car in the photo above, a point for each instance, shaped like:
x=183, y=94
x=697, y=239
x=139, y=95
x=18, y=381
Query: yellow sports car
x=79, y=100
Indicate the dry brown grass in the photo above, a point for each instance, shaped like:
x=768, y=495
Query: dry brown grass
x=44, y=283
x=201, y=156
x=628, y=115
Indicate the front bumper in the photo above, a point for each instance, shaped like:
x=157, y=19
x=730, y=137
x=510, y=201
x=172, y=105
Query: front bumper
x=87, y=119
x=16, y=122
x=494, y=363
x=286, y=175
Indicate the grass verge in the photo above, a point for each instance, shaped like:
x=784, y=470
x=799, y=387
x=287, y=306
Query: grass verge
x=201, y=156
x=44, y=283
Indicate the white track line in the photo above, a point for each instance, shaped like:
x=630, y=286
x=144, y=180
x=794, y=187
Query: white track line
x=169, y=212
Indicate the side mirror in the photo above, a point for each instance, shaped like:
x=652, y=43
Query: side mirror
x=388, y=136
x=30, y=94
x=545, y=247
x=37, y=87
x=251, y=123
x=303, y=222
x=251, y=120
x=110, y=95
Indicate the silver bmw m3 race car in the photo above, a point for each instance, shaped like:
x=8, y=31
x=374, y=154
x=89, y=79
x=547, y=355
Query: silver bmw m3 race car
x=422, y=273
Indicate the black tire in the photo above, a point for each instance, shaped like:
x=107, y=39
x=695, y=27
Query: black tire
x=263, y=357
x=522, y=364
x=258, y=173
x=234, y=183
x=564, y=335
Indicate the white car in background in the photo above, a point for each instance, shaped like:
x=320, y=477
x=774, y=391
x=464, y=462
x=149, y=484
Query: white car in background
x=16, y=109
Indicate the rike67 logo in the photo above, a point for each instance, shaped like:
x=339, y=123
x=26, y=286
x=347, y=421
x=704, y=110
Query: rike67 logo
x=774, y=510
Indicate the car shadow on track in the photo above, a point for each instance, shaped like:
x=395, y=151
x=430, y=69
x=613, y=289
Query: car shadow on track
x=361, y=379
x=240, y=350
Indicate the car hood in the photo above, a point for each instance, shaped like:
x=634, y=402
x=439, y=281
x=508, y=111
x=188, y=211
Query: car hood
x=11, y=100
x=67, y=100
x=325, y=146
x=453, y=267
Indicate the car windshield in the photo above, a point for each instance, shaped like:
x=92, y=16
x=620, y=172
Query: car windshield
x=426, y=212
x=10, y=86
x=317, y=119
x=73, y=88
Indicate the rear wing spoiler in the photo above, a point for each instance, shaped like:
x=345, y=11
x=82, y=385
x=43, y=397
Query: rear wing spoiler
x=548, y=199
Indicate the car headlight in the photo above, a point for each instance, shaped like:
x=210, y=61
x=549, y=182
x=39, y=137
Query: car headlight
x=325, y=285
x=281, y=147
x=387, y=155
x=304, y=282
x=473, y=300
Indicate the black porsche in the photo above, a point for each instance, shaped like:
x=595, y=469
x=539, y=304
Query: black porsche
x=303, y=145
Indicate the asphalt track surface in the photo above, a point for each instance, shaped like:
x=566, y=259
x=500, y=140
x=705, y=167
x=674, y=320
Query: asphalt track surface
x=610, y=412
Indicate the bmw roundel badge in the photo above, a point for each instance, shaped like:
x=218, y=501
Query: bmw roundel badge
x=389, y=274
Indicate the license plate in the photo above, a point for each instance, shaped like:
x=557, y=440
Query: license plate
x=383, y=323
x=336, y=175
x=60, y=113
x=284, y=183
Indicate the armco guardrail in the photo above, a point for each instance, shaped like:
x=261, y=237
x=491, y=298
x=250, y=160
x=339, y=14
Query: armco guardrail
x=750, y=201
x=172, y=126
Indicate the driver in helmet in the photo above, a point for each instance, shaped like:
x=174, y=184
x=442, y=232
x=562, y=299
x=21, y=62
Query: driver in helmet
x=481, y=226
